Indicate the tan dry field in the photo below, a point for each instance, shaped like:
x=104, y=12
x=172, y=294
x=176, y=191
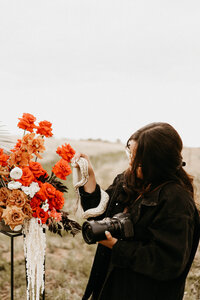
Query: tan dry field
x=68, y=260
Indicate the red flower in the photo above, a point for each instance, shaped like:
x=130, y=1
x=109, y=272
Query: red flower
x=27, y=177
x=58, y=201
x=27, y=122
x=37, y=169
x=47, y=191
x=44, y=128
x=66, y=152
x=35, y=202
x=3, y=158
x=62, y=169
x=41, y=214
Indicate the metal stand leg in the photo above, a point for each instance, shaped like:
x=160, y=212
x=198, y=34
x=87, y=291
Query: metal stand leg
x=12, y=268
x=12, y=236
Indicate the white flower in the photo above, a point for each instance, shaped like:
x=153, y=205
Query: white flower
x=34, y=188
x=14, y=185
x=31, y=190
x=17, y=228
x=16, y=173
x=45, y=206
x=25, y=189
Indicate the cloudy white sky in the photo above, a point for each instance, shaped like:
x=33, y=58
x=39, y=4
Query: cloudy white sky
x=101, y=69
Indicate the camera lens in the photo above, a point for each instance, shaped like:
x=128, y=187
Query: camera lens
x=87, y=233
x=94, y=231
x=120, y=226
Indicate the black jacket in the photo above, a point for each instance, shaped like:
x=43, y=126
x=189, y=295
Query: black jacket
x=153, y=265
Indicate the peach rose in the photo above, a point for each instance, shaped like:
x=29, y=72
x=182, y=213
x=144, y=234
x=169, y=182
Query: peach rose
x=1, y=213
x=27, y=210
x=13, y=216
x=4, y=196
x=17, y=198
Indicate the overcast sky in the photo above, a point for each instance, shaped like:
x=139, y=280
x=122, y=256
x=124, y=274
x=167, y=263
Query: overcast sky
x=101, y=69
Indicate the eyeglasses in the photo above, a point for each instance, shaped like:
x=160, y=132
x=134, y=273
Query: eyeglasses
x=128, y=153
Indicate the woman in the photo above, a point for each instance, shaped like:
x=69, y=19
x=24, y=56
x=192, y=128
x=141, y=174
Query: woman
x=158, y=194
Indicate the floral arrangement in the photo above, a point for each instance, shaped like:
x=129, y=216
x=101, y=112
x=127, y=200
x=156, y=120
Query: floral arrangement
x=32, y=199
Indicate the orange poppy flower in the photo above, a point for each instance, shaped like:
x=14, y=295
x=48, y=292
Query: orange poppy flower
x=37, y=169
x=44, y=128
x=58, y=201
x=27, y=177
x=66, y=152
x=3, y=158
x=62, y=169
x=27, y=122
x=41, y=214
x=47, y=191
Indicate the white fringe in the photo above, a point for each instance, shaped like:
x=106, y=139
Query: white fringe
x=34, y=250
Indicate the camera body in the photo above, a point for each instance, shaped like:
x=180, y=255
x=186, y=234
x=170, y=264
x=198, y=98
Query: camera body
x=120, y=226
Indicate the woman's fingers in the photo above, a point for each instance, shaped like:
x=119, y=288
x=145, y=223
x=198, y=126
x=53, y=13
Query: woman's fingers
x=108, y=235
x=76, y=158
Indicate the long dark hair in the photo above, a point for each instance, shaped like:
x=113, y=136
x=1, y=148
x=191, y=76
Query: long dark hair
x=158, y=152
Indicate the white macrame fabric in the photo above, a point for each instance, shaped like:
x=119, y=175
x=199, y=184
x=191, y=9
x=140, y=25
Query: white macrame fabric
x=80, y=177
x=34, y=250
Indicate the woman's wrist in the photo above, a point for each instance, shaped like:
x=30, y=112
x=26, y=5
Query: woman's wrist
x=90, y=186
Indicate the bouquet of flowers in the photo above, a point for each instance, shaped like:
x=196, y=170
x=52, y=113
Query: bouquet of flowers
x=32, y=199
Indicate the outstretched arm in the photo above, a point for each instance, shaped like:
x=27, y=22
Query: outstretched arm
x=90, y=186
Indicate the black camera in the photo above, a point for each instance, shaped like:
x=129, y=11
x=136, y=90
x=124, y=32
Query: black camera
x=120, y=226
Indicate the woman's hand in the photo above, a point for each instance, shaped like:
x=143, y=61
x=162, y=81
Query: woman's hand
x=110, y=240
x=90, y=186
x=77, y=157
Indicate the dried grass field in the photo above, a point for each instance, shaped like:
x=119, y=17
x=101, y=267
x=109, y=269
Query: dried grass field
x=68, y=259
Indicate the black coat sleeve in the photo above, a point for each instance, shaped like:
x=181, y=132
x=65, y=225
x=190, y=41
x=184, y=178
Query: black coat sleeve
x=92, y=200
x=165, y=255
